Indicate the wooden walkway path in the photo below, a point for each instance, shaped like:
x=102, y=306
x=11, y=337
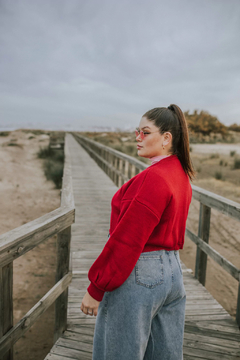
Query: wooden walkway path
x=210, y=332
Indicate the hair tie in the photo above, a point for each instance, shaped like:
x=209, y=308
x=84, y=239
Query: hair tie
x=170, y=107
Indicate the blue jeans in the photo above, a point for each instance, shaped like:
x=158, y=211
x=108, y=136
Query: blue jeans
x=144, y=318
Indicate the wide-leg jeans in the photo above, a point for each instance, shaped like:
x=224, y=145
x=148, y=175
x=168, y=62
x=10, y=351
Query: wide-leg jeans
x=143, y=319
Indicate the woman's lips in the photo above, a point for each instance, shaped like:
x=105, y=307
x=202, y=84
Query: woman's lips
x=139, y=147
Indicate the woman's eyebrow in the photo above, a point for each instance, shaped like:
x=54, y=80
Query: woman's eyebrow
x=145, y=127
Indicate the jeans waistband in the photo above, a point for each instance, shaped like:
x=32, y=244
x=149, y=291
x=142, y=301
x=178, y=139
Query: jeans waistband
x=158, y=253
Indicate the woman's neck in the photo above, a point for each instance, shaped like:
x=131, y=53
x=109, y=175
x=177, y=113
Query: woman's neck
x=157, y=158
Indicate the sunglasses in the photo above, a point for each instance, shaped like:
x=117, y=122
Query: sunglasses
x=143, y=134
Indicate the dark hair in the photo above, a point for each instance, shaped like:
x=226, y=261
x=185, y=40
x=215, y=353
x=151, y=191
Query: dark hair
x=172, y=119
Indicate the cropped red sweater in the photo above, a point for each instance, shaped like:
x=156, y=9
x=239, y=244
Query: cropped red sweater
x=149, y=213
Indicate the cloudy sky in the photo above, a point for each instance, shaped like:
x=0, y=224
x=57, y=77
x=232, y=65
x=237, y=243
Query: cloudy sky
x=78, y=64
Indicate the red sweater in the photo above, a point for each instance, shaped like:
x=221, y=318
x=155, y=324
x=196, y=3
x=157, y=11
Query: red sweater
x=149, y=213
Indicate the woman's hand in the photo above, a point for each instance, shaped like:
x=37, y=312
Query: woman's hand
x=89, y=305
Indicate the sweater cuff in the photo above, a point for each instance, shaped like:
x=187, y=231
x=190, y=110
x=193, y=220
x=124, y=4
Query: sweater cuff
x=96, y=293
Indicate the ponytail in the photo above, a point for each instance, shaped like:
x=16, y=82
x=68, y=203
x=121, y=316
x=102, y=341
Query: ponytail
x=182, y=148
x=172, y=119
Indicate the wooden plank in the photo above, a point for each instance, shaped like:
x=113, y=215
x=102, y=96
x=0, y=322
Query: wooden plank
x=207, y=317
x=75, y=336
x=71, y=353
x=63, y=258
x=67, y=198
x=6, y=306
x=206, y=339
x=33, y=314
x=216, y=348
x=238, y=305
x=198, y=312
x=216, y=327
x=51, y=356
x=205, y=305
x=82, y=329
x=221, y=260
x=77, y=345
x=87, y=320
x=223, y=205
x=18, y=241
x=206, y=354
x=203, y=233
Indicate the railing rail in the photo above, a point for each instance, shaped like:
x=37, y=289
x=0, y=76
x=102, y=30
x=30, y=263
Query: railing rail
x=120, y=168
x=17, y=242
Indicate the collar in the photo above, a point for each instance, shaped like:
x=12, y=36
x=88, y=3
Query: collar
x=155, y=159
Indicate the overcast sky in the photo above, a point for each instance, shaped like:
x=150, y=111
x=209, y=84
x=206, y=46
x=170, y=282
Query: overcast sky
x=76, y=64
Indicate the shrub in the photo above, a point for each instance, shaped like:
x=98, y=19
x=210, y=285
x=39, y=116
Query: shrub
x=58, y=156
x=204, y=123
x=232, y=153
x=4, y=133
x=53, y=171
x=218, y=175
x=35, y=132
x=236, y=164
x=15, y=144
x=221, y=162
x=45, y=152
x=199, y=169
x=234, y=127
x=214, y=156
x=53, y=164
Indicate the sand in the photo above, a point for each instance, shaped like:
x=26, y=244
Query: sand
x=25, y=196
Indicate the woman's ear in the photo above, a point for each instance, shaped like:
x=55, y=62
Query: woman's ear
x=167, y=138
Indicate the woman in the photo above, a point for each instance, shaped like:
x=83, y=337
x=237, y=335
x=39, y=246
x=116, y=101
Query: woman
x=136, y=287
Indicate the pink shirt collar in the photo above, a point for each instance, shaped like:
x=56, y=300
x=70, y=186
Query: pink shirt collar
x=155, y=159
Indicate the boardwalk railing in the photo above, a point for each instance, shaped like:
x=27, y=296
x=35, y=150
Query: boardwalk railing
x=17, y=242
x=120, y=168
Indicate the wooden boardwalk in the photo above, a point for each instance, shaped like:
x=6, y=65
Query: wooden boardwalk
x=210, y=332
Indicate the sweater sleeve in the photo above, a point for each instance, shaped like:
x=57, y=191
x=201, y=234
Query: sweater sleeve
x=122, y=250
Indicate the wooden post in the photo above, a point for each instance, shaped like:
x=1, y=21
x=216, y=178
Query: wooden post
x=6, y=305
x=137, y=170
x=203, y=233
x=124, y=170
x=238, y=305
x=112, y=172
x=102, y=157
x=129, y=170
x=116, y=161
x=107, y=159
x=121, y=181
x=63, y=257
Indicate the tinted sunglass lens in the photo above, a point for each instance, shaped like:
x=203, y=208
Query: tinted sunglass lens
x=139, y=132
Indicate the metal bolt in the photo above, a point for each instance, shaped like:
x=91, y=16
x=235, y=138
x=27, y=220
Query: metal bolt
x=20, y=249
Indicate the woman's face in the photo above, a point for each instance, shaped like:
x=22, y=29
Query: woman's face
x=153, y=142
